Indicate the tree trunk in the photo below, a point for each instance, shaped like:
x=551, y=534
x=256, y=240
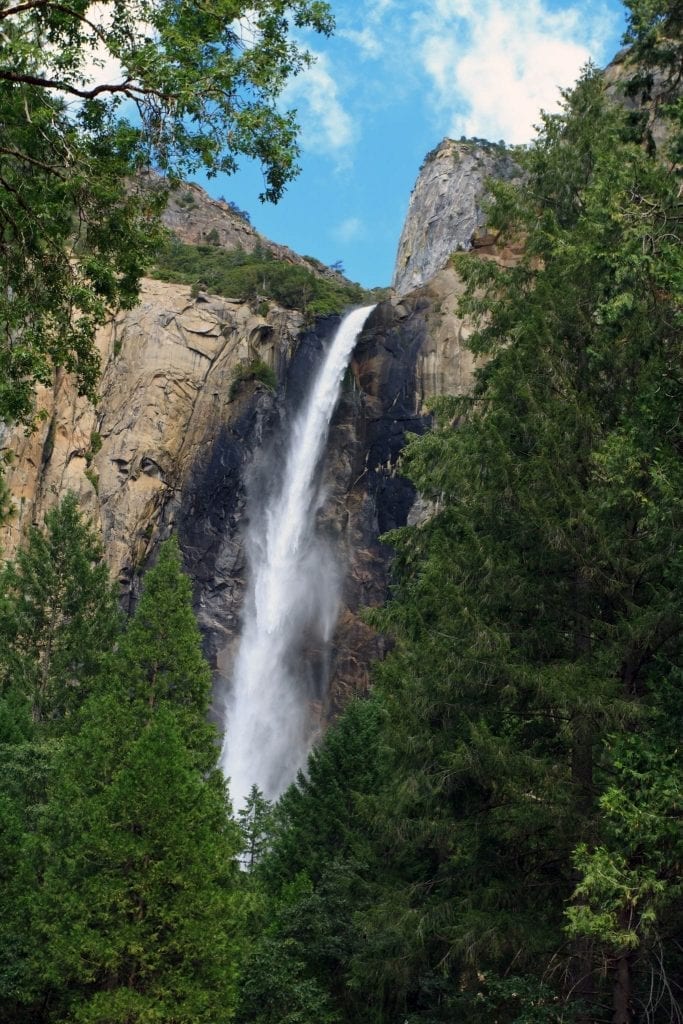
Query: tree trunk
x=621, y=996
x=583, y=988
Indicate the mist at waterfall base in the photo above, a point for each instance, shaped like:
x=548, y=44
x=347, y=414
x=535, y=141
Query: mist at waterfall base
x=292, y=599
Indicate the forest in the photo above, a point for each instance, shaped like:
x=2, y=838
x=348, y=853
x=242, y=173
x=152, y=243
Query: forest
x=493, y=835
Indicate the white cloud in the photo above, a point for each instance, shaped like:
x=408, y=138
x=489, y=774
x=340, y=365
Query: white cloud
x=376, y=9
x=326, y=126
x=368, y=28
x=350, y=230
x=494, y=64
x=365, y=39
x=99, y=66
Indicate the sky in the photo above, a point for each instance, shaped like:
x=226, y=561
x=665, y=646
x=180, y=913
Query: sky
x=396, y=78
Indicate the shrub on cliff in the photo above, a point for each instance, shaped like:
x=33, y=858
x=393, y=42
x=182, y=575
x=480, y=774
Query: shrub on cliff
x=256, y=369
x=246, y=277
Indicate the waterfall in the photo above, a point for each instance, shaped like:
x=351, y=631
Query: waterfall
x=292, y=599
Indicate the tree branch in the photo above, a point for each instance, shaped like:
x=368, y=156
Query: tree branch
x=127, y=88
x=30, y=5
x=50, y=168
x=63, y=9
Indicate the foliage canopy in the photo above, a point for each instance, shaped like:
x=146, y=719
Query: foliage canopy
x=90, y=96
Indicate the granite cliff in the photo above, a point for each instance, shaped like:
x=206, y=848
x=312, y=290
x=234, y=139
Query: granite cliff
x=183, y=408
x=445, y=210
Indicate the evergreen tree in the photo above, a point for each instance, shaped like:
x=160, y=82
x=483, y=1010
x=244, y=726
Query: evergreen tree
x=311, y=883
x=159, y=662
x=536, y=613
x=628, y=902
x=254, y=821
x=26, y=760
x=318, y=816
x=58, y=617
x=136, y=918
x=135, y=914
x=58, y=621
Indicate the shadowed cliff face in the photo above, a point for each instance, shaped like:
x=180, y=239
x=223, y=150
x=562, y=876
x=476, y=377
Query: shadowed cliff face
x=368, y=497
x=211, y=514
x=209, y=518
x=174, y=440
x=364, y=496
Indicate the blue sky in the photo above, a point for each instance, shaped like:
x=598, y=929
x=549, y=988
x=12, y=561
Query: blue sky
x=396, y=78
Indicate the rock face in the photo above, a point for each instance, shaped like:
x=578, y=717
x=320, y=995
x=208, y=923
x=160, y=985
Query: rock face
x=181, y=419
x=194, y=217
x=212, y=502
x=445, y=207
x=168, y=390
x=645, y=101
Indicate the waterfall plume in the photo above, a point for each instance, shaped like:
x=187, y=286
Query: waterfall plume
x=292, y=598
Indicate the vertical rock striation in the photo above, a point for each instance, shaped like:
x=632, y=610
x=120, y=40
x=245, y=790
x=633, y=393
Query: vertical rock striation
x=445, y=207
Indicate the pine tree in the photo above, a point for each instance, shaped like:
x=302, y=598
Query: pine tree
x=317, y=818
x=58, y=622
x=312, y=882
x=536, y=613
x=136, y=915
x=58, y=617
x=628, y=901
x=159, y=661
x=26, y=761
x=254, y=821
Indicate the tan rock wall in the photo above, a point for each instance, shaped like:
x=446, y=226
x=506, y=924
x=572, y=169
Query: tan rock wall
x=168, y=366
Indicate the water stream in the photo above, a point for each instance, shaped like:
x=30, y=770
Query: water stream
x=292, y=599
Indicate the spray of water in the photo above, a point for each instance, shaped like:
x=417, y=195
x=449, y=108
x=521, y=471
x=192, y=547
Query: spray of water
x=292, y=601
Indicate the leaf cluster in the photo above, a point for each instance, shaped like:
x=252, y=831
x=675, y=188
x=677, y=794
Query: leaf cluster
x=90, y=97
